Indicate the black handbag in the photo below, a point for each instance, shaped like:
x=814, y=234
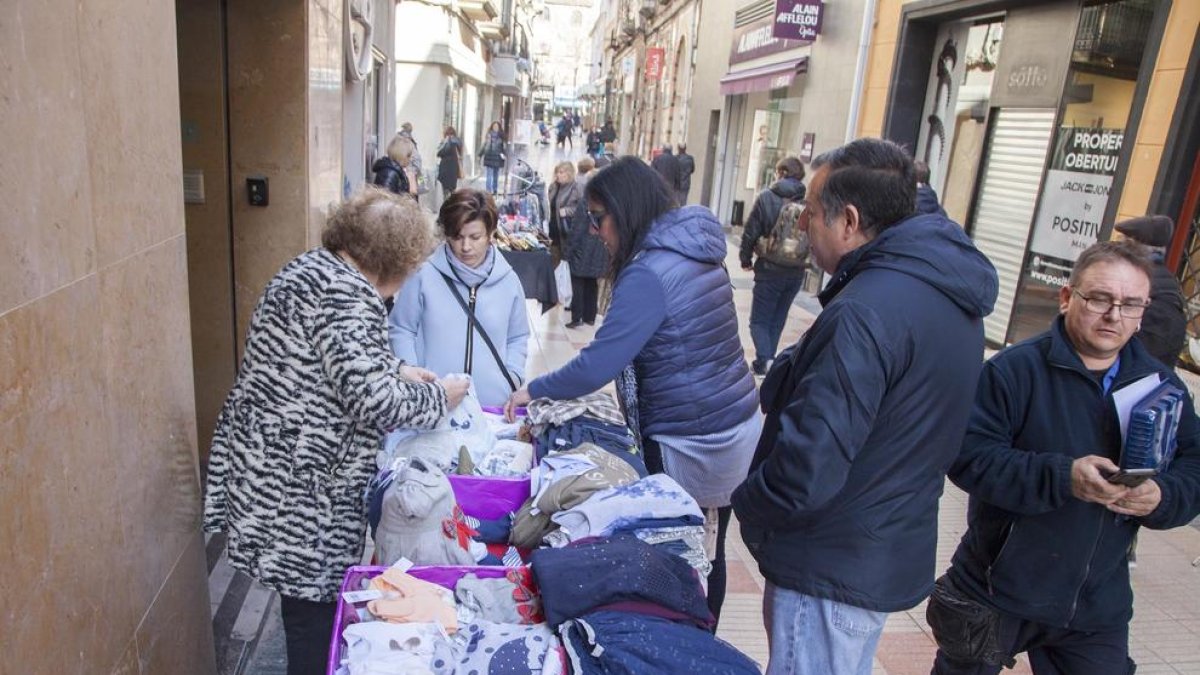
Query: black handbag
x=472, y=326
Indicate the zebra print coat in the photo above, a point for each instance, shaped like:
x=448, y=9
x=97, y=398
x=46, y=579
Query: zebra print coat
x=296, y=440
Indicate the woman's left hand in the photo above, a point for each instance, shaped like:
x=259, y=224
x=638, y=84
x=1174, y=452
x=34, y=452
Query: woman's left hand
x=417, y=374
x=519, y=398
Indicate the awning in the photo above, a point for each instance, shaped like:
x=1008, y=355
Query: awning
x=763, y=78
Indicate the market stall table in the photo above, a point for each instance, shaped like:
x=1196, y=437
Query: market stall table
x=535, y=269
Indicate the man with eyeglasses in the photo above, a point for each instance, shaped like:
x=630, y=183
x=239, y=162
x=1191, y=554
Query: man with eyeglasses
x=1042, y=567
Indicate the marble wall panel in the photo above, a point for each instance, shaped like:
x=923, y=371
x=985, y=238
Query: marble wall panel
x=145, y=343
x=132, y=122
x=326, y=74
x=268, y=86
x=209, y=237
x=175, y=638
x=46, y=234
x=61, y=525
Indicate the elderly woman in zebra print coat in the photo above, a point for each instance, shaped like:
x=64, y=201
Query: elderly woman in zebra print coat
x=296, y=440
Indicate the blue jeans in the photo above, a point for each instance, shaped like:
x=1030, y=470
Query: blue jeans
x=493, y=178
x=813, y=636
x=768, y=314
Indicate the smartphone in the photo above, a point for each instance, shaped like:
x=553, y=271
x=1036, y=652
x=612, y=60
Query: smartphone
x=1132, y=478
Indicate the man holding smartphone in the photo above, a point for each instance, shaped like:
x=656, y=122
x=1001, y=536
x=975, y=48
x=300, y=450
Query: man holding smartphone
x=1042, y=567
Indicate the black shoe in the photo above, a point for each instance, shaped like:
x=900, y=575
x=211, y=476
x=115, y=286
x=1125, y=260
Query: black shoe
x=590, y=323
x=575, y=324
x=759, y=369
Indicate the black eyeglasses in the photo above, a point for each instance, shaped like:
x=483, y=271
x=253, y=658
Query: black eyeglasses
x=1129, y=310
x=594, y=218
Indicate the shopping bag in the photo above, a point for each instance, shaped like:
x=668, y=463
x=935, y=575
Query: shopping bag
x=562, y=279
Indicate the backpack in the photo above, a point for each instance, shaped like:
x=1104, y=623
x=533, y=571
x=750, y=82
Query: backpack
x=786, y=245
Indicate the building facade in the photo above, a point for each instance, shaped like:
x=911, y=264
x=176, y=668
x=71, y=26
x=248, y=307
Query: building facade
x=1043, y=124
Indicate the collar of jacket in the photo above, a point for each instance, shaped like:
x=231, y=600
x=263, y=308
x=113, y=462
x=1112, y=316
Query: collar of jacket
x=1135, y=362
x=846, y=268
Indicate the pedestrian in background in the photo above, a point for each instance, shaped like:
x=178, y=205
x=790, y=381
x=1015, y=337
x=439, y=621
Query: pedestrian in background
x=927, y=197
x=449, y=154
x=667, y=166
x=296, y=440
x=417, y=168
x=586, y=256
x=1042, y=566
x=493, y=153
x=608, y=133
x=864, y=414
x=429, y=326
x=687, y=167
x=1164, y=326
x=775, y=285
x=670, y=340
x=594, y=145
x=393, y=171
x=565, y=194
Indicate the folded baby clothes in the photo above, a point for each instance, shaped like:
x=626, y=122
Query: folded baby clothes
x=407, y=599
x=599, y=405
x=508, y=599
x=656, y=496
x=502, y=648
x=596, y=572
x=382, y=648
x=624, y=643
x=506, y=458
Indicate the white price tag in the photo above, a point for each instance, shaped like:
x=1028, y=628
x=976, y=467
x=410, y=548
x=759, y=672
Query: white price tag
x=403, y=564
x=353, y=597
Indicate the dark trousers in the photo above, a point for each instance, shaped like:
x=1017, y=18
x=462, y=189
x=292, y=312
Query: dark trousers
x=1051, y=650
x=307, y=627
x=716, y=578
x=768, y=314
x=585, y=296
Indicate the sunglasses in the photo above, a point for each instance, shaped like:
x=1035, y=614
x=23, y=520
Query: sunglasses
x=594, y=218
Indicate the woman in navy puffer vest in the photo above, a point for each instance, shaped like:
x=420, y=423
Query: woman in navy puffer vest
x=671, y=319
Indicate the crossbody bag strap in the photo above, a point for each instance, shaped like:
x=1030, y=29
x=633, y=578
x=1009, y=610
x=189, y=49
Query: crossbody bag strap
x=487, y=340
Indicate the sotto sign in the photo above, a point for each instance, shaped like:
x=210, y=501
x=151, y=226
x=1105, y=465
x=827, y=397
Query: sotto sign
x=798, y=19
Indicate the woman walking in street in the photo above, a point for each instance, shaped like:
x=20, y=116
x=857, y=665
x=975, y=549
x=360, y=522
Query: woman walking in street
x=449, y=154
x=296, y=440
x=565, y=194
x=393, y=169
x=492, y=152
x=429, y=325
x=586, y=256
x=670, y=340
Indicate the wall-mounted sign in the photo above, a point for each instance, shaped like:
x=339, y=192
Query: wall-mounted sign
x=1032, y=67
x=807, y=144
x=798, y=19
x=757, y=39
x=654, y=62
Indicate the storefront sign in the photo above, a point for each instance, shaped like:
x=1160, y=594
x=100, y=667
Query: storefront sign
x=1032, y=67
x=654, y=62
x=1074, y=195
x=758, y=39
x=798, y=19
x=806, y=146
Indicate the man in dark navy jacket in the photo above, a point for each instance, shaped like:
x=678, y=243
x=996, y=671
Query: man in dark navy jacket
x=1042, y=567
x=864, y=414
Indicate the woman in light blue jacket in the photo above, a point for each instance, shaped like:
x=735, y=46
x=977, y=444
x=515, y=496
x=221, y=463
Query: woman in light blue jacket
x=428, y=325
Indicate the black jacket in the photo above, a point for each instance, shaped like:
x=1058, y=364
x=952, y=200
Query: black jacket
x=449, y=155
x=608, y=134
x=584, y=250
x=389, y=174
x=864, y=416
x=687, y=167
x=1031, y=549
x=667, y=166
x=761, y=221
x=1164, y=325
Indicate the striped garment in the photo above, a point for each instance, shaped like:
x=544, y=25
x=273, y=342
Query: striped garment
x=296, y=440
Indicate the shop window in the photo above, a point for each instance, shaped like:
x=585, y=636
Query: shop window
x=1107, y=54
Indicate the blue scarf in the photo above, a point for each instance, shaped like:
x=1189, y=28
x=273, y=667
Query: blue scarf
x=472, y=276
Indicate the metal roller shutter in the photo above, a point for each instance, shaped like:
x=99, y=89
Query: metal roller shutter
x=1008, y=192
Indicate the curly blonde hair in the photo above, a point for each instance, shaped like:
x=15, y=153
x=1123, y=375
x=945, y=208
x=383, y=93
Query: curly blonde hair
x=388, y=235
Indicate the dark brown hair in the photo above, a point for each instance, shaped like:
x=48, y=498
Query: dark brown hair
x=464, y=205
x=386, y=234
x=1125, y=250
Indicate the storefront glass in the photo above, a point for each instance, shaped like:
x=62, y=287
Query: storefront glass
x=1085, y=150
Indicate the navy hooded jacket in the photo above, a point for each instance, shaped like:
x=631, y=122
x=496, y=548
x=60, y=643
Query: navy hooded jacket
x=672, y=316
x=1032, y=550
x=865, y=415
